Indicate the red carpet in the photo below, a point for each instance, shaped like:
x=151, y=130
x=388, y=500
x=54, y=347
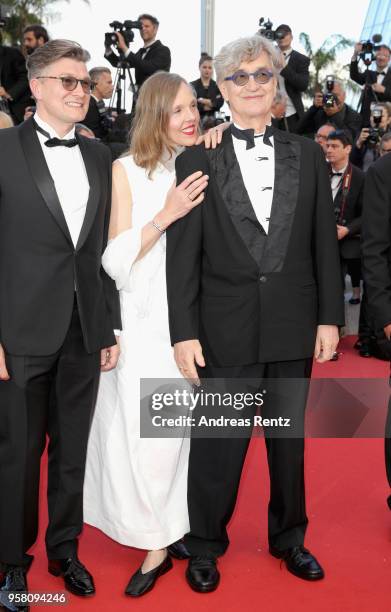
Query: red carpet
x=349, y=531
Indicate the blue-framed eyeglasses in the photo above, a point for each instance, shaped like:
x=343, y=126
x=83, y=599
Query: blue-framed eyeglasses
x=241, y=77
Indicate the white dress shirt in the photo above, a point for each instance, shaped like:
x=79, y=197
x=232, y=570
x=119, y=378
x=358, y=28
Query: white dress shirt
x=336, y=181
x=257, y=168
x=66, y=166
x=380, y=77
x=290, y=109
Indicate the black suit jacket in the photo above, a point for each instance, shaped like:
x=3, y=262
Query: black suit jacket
x=350, y=214
x=296, y=76
x=376, y=240
x=157, y=58
x=315, y=117
x=367, y=94
x=39, y=267
x=93, y=119
x=246, y=296
x=13, y=77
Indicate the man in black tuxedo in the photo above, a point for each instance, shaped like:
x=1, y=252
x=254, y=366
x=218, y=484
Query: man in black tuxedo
x=376, y=261
x=293, y=78
x=58, y=312
x=153, y=56
x=14, y=87
x=98, y=117
x=254, y=292
x=377, y=83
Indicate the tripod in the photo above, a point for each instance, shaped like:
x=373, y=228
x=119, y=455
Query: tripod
x=118, y=98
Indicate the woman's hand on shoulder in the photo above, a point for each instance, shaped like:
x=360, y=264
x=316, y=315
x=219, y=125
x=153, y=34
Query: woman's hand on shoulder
x=181, y=199
x=212, y=138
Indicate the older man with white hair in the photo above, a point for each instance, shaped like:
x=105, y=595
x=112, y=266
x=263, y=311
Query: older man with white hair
x=254, y=292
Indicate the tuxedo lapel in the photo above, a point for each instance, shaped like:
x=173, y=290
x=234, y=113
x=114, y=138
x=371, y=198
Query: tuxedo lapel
x=36, y=162
x=285, y=195
x=226, y=171
x=90, y=161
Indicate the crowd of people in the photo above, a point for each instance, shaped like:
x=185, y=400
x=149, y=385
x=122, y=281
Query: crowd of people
x=233, y=252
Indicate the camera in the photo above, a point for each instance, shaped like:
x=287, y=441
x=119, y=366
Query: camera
x=376, y=132
x=5, y=14
x=266, y=30
x=369, y=48
x=329, y=98
x=126, y=29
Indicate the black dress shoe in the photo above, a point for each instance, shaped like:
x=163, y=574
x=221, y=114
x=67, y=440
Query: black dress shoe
x=365, y=350
x=202, y=574
x=178, y=550
x=140, y=583
x=300, y=562
x=13, y=581
x=357, y=345
x=77, y=579
x=354, y=301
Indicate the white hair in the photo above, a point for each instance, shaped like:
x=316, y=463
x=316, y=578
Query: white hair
x=245, y=50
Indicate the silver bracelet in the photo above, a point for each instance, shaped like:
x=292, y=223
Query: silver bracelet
x=156, y=226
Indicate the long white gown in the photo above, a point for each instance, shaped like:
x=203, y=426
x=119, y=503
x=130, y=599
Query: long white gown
x=136, y=488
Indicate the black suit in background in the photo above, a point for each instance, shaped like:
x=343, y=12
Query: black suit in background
x=58, y=308
x=296, y=76
x=93, y=119
x=254, y=301
x=315, y=117
x=13, y=77
x=212, y=93
x=368, y=95
x=157, y=58
x=348, y=214
x=376, y=261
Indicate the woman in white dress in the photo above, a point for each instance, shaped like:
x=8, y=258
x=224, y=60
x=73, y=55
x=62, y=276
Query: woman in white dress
x=136, y=488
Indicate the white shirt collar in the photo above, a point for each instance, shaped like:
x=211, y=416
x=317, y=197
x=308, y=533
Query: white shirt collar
x=48, y=128
x=242, y=128
x=343, y=170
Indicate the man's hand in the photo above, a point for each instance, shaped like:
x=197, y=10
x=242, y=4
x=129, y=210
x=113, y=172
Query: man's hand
x=357, y=50
x=109, y=357
x=213, y=137
x=378, y=88
x=327, y=339
x=362, y=138
x=318, y=99
x=333, y=110
x=187, y=354
x=121, y=43
x=387, y=331
x=342, y=231
x=3, y=368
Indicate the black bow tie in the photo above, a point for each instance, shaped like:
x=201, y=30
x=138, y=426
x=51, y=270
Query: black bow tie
x=55, y=142
x=337, y=174
x=249, y=137
x=383, y=73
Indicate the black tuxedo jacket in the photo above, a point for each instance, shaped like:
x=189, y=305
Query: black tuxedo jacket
x=39, y=267
x=157, y=58
x=376, y=240
x=368, y=96
x=247, y=296
x=296, y=76
x=13, y=77
x=93, y=120
x=350, y=245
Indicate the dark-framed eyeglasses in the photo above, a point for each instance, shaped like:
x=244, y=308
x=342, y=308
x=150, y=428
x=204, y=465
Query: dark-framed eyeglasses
x=241, y=77
x=70, y=83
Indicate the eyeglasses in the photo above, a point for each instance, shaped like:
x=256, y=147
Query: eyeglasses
x=241, y=77
x=70, y=83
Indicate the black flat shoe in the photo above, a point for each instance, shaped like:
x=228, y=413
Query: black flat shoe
x=140, y=583
x=202, y=574
x=300, y=562
x=335, y=356
x=13, y=581
x=77, y=579
x=354, y=301
x=178, y=550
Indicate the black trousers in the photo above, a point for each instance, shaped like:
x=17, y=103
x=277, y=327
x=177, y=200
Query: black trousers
x=215, y=464
x=52, y=395
x=353, y=268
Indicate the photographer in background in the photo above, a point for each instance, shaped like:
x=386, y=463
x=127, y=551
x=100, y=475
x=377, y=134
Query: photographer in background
x=151, y=58
x=14, y=87
x=293, y=78
x=34, y=36
x=209, y=98
x=367, y=146
x=377, y=83
x=330, y=107
x=322, y=134
x=98, y=117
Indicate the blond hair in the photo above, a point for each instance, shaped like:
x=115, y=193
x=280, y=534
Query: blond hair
x=149, y=133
